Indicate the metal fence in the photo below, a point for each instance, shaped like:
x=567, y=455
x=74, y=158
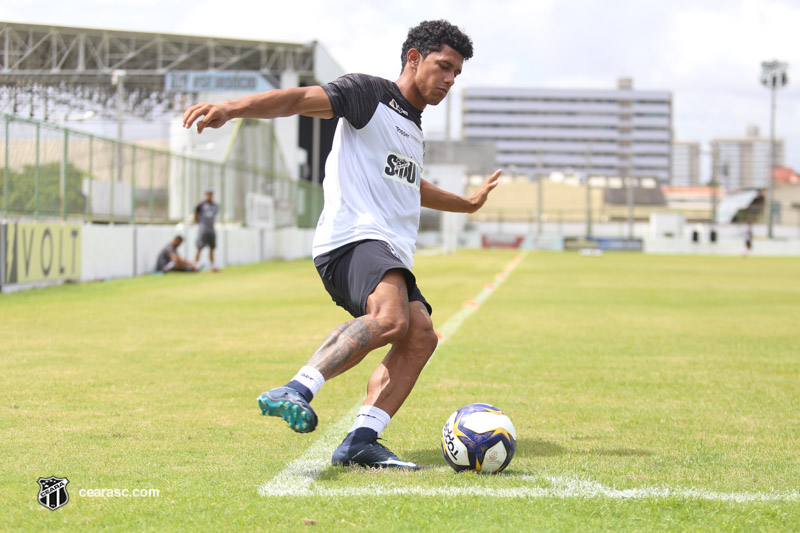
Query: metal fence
x=51, y=171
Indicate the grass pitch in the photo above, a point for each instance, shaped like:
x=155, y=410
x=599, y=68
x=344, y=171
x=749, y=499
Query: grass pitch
x=648, y=393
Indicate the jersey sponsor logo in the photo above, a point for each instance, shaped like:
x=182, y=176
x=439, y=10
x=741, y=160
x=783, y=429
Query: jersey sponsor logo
x=403, y=169
x=394, y=105
x=402, y=132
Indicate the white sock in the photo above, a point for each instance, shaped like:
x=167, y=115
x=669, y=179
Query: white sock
x=371, y=417
x=311, y=378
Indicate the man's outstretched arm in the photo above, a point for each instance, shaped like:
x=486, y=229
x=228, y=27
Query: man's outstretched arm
x=435, y=198
x=308, y=101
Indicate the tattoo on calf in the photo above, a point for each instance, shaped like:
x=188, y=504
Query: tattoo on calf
x=348, y=342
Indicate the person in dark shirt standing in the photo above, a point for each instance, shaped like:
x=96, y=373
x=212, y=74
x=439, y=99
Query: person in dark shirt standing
x=204, y=215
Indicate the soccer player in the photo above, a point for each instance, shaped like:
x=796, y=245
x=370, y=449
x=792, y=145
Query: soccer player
x=365, y=239
x=170, y=261
x=204, y=215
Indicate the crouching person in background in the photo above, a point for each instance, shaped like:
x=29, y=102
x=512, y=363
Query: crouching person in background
x=170, y=261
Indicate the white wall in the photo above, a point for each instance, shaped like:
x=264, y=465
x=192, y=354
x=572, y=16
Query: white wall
x=723, y=246
x=730, y=238
x=242, y=246
x=108, y=251
x=293, y=243
x=118, y=251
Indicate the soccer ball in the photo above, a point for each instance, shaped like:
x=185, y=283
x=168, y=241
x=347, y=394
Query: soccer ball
x=479, y=438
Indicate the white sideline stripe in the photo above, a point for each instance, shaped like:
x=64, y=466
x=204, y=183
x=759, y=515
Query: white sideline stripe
x=298, y=477
x=455, y=321
x=561, y=488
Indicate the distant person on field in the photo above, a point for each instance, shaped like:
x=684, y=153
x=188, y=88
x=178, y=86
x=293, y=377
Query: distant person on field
x=748, y=240
x=170, y=261
x=204, y=215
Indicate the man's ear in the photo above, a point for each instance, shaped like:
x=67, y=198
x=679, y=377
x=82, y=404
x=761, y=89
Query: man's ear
x=413, y=57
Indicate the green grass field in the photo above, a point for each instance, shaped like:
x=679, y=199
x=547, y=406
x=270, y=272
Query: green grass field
x=649, y=394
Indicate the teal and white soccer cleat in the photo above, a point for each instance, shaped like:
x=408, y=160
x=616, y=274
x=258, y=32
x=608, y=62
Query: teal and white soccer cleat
x=286, y=403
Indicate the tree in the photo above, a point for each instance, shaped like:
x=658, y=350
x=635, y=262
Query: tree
x=22, y=190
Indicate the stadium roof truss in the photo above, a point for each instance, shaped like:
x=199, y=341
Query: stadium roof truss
x=36, y=56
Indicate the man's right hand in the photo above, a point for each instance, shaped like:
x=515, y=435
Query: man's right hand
x=214, y=116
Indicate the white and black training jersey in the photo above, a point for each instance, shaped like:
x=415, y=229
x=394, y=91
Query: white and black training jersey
x=205, y=212
x=374, y=170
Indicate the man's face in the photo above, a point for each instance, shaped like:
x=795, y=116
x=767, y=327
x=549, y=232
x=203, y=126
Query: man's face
x=436, y=73
x=209, y=196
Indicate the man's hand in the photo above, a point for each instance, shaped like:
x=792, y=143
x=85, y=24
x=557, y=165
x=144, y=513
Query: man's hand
x=479, y=198
x=214, y=116
x=308, y=101
x=433, y=197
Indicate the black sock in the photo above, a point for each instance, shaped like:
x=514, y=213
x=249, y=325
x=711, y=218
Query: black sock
x=362, y=435
x=301, y=389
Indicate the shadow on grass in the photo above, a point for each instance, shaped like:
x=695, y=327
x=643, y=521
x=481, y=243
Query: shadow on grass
x=620, y=452
x=538, y=448
x=525, y=448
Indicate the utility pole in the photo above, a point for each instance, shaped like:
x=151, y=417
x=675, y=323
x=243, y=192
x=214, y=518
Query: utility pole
x=118, y=79
x=773, y=77
x=714, y=184
x=588, y=191
x=625, y=132
x=539, y=194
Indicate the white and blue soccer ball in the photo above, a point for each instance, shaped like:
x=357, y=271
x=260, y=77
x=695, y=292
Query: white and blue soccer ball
x=479, y=438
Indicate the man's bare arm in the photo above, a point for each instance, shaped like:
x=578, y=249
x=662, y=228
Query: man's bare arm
x=308, y=101
x=435, y=198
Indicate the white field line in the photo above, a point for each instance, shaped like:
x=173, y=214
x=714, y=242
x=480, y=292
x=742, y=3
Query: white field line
x=560, y=488
x=298, y=477
x=470, y=306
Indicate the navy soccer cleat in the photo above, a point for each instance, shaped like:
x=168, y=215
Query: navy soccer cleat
x=361, y=450
x=286, y=403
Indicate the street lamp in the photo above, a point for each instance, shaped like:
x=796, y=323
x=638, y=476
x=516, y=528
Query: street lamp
x=773, y=77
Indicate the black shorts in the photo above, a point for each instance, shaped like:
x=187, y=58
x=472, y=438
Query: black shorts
x=351, y=272
x=207, y=239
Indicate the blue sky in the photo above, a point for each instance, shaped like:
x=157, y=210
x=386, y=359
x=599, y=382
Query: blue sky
x=708, y=53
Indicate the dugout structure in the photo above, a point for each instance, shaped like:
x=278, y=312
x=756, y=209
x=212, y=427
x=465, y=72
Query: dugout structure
x=49, y=64
x=48, y=73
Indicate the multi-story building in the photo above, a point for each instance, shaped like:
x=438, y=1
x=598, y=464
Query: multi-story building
x=744, y=163
x=685, y=164
x=622, y=132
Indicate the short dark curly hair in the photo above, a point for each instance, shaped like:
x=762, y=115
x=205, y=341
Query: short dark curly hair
x=430, y=35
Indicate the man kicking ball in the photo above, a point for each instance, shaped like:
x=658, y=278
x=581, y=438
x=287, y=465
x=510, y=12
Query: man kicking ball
x=366, y=237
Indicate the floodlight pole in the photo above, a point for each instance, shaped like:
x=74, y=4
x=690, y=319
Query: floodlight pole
x=539, y=193
x=588, y=192
x=714, y=187
x=713, y=183
x=773, y=77
x=771, y=182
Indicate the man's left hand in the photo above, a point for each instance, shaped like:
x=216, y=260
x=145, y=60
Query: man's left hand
x=479, y=198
